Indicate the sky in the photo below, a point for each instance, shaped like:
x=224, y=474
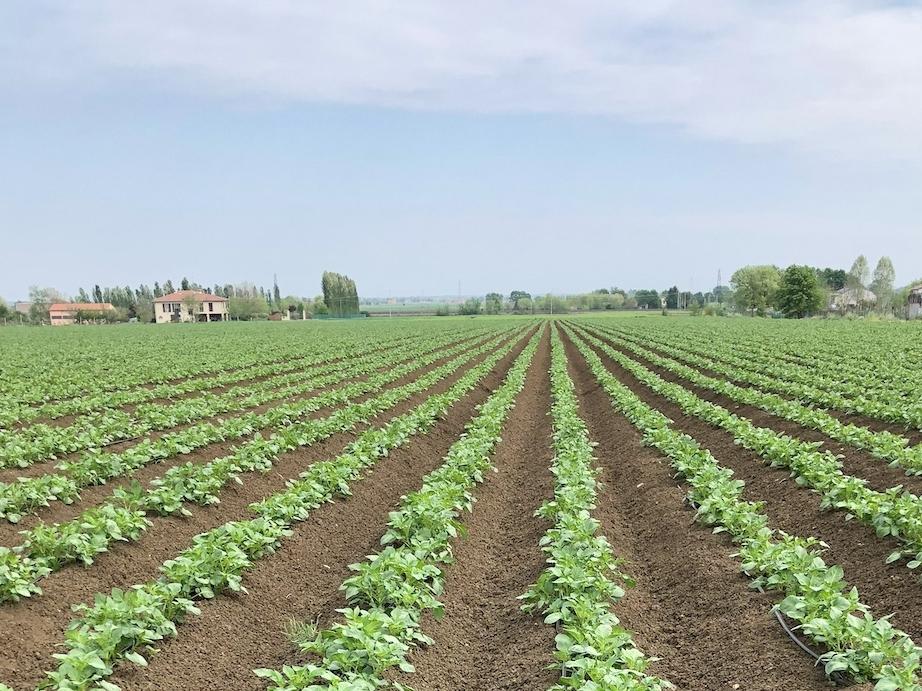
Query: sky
x=429, y=147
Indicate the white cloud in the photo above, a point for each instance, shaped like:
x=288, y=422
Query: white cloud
x=835, y=75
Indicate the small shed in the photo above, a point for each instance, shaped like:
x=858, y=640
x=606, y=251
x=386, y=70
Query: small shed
x=915, y=301
x=847, y=299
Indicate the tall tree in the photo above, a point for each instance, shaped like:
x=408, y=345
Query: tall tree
x=82, y=296
x=882, y=283
x=516, y=296
x=97, y=294
x=276, y=294
x=184, y=284
x=798, y=293
x=672, y=298
x=158, y=291
x=168, y=287
x=493, y=304
x=754, y=287
x=858, y=274
x=339, y=294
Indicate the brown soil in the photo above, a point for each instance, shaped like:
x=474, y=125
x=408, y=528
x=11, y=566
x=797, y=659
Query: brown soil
x=90, y=496
x=484, y=640
x=885, y=588
x=33, y=628
x=691, y=607
x=914, y=435
x=877, y=472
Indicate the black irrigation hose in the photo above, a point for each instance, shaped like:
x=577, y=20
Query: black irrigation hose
x=837, y=677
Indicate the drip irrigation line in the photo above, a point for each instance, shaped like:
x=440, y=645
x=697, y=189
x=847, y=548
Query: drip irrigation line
x=835, y=676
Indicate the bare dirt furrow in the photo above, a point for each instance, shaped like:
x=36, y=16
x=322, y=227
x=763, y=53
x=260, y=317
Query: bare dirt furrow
x=690, y=607
x=301, y=581
x=93, y=495
x=886, y=588
x=484, y=640
x=857, y=462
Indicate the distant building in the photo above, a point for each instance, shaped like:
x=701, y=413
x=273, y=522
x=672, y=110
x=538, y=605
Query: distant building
x=846, y=299
x=190, y=306
x=22, y=308
x=915, y=302
x=63, y=313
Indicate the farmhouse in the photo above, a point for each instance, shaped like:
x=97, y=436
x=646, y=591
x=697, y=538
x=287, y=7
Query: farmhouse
x=62, y=313
x=847, y=299
x=189, y=306
x=915, y=302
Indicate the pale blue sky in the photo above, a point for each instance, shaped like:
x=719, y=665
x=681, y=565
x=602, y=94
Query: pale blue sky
x=422, y=144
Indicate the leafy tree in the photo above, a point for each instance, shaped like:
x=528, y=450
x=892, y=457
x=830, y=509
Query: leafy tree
x=191, y=303
x=276, y=294
x=834, y=279
x=493, y=303
x=247, y=306
x=798, y=293
x=83, y=296
x=42, y=299
x=754, y=287
x=5, y=311
x=882, y=284
x=470, y=306
x=168, y=287
x=858, y=274
x=184, y=284
x=144, y=309
x=647, y=299
x=158, y=292
x=97, y=294
x=672, y=298
x=339, y=294
x=516, y=297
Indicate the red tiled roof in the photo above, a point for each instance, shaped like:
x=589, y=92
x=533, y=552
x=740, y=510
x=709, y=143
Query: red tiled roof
x=85, y=306
x=198, y=295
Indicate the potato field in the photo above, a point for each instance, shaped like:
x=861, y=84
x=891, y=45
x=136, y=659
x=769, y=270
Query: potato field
x=585, y=502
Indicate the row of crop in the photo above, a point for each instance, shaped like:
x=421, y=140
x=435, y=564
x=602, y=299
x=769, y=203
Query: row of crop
x=84, y=362
x=124, y=518
x=863, y=352
x=319, y=353
x=392, y=589
x=815, y=595
x=26, y=446
x=894, y=512
x=849, y=398
x=583, y=577
x=26, y=495
x=891, y=447
x=877, y=360
x=118, y=359
x=122, y=625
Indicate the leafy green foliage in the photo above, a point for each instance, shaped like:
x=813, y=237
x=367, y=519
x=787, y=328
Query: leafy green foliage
x=583, y=577
x=815, y=594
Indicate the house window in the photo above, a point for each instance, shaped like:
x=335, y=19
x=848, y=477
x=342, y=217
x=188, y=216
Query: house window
x=165, y=307
x=211, y=307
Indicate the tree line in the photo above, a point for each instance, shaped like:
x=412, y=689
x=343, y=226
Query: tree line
x=246, y=301
x=802, y=291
